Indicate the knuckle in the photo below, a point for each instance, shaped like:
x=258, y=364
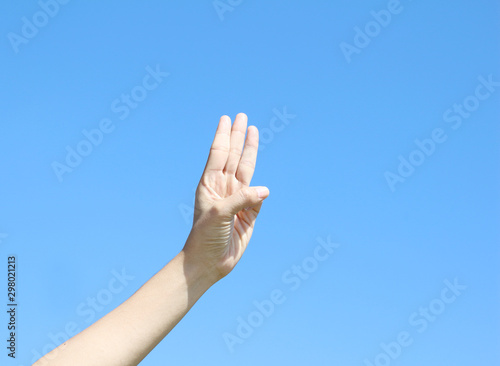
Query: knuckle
x=244, y=194
x=223, y=149
x=236, y=151
x=247, y=163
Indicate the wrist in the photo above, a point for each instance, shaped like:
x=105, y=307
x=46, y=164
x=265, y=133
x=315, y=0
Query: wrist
x=197, y=273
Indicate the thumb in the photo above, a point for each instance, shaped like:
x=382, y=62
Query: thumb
x=246, y=197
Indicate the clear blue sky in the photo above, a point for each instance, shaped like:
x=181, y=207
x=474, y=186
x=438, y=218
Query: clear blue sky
x=357, y=95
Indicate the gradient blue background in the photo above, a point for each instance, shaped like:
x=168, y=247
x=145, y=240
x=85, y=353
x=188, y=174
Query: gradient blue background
x=122, y=207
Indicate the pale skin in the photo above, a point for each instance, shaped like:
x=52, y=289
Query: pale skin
x=226, y=208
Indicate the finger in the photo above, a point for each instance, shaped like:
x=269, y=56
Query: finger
x=253, y=211
x=237, y=139
x=219, y=150
x=248, y=216
x=248, y=159
x=245, y=197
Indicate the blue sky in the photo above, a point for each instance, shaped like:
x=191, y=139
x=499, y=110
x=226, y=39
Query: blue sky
x=379, y=133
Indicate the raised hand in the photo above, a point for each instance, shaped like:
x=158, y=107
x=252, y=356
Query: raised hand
x=225, y=212
x=225, y=206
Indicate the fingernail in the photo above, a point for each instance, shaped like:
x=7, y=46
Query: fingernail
x=262, y=192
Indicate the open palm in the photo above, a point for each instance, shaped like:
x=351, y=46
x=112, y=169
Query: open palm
x=225, y=206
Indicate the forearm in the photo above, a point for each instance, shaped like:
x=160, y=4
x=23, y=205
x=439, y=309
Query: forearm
x=225, y=212
x=128, y=333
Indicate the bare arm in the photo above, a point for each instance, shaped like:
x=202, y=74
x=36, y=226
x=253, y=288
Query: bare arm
x=225, y=212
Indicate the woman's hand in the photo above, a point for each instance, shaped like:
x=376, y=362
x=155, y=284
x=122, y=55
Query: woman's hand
x=221, y=230
x=226, y=207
